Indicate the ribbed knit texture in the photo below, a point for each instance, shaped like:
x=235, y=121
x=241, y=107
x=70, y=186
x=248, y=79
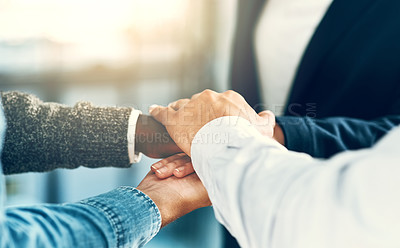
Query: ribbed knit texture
x=45, y=136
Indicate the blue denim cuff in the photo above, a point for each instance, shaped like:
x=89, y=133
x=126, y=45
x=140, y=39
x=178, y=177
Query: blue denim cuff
x=134, y=217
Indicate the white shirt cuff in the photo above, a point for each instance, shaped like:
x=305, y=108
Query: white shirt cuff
x=215, y=136
x=134, y=157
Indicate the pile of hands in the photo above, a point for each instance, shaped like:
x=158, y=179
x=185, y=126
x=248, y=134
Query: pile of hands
x=172, y=182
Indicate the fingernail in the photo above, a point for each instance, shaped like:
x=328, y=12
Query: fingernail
x=157, y=170
x=156, y=166
x=152, y=107
x=180, y=169
x=162, y=170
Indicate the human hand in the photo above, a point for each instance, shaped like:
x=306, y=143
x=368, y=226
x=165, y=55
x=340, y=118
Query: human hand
x=184, y=118
x=279, y=136
x=178, y=165
x=152, y=139
x=174, y=196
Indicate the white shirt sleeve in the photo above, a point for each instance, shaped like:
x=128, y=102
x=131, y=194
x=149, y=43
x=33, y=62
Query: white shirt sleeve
x=134, y=157
x=267, y=196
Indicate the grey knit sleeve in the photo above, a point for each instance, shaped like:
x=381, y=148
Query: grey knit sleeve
x=45, y=136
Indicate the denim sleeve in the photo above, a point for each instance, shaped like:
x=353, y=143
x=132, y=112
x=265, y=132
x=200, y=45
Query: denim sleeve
x=323, y=138
x=124, y=217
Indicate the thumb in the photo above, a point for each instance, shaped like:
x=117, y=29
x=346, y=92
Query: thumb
x=268, y=117
x=267, y=123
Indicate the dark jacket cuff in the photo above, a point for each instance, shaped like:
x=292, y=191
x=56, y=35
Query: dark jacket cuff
x=297, y=133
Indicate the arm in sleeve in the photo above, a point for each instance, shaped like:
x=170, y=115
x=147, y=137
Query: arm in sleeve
x=45, y=136
x=124, y=217
x=267, y=196
x=322, y=138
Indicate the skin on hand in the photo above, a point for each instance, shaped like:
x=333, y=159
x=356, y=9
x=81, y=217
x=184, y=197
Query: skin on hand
x=184, y=118
x=152, y=139
x=175, y=197
x=279, y=135
x=178, y=165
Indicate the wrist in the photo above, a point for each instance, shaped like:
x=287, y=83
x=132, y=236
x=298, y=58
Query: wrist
x=139, y=132
x=171, y=206
x=152, y=138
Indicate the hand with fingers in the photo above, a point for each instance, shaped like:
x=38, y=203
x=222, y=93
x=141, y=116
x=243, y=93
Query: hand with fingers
x=174, y=196
x=179, y=165
x=184, y=118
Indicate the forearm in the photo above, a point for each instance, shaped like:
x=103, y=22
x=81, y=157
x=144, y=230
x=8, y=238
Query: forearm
x=124, y=217
x=323, y=138
x=269, y=197
x=232, y=171
x=45, y=136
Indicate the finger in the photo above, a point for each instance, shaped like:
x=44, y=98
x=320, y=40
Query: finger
x=234, y=95
x=167, y=168
x=184, y=170
x=266, y=123
x=164, y=115
x=195, y=96
x=178, y=104
x=204, y=92
x=165, y=161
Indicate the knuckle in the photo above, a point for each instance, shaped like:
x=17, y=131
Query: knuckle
x=184, y=101
x=233, y=94
x=207, y=92
x=230, y=92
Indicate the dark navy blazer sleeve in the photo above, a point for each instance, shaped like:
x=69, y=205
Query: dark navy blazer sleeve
x=323, y=138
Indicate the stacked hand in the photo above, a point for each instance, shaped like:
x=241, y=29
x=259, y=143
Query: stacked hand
x=184, y=118
x=152, y=139
x=173, y=196
x=172, y=184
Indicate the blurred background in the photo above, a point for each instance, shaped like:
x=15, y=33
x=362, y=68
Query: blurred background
x=114, y=53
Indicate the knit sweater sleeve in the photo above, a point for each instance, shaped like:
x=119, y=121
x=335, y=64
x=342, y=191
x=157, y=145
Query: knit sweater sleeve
x=45, y=136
